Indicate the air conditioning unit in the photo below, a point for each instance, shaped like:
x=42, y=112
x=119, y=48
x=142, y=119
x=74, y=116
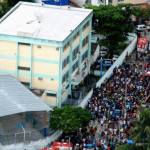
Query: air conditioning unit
x=38, y=46
x=40, y=78
x=73, y=79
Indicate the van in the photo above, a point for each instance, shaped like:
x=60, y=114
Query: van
x=103, y=51
x=141, y=27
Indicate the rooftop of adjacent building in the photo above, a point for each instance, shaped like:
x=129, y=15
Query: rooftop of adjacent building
x=42, y=21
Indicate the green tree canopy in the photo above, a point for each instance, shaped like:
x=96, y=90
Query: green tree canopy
x=6, y=5
x=114, y=22
x=69, y=119
x=141, y=131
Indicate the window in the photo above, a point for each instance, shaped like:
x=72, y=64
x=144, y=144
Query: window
x=24, y=68
x=66, y=46
x=75, y=52
x=51, y=94
x=25, y=83
x=24, y=44
x=65, y=62
x=75, y=66
x=76, y=35
x=65, y=77
x=85, y=41
x=86, y=25
x=85, y=55
x=120, y=0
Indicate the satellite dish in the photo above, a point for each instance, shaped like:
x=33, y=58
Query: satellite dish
x=38, y=16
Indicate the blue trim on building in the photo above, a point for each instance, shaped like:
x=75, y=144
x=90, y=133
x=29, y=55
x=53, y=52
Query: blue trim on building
x=65, y=71
x=51, y=92
x=7, y=71
x=65, y=57
x=89, y=47
x=84, y=51
x=59, y=98
x=28, y=74
x=51, y=105
x=29, y=59
x=29, y=40
x=17, y=59
x=70, y=65
x=31, y=53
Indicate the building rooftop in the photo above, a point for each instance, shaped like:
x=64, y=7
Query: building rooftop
x=16, y=98
x=42, y=21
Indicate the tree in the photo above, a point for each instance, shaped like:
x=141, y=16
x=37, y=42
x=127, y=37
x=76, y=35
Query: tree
x=114, y=22
x=124, y=147
x=14, y=2
x=141, y=131
x=69, y=119
x=6, y=5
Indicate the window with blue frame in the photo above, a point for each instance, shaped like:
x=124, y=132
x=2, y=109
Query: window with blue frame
x=65, y=77
x=86, y=25
x=85, y=41
x=76, y=35
x=65, y=62
x=85, y=55
x=66, y=46
x=75, y=66
x=75, y=52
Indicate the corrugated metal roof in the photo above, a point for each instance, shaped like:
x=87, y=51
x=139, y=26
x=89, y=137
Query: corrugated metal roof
x=16, y=98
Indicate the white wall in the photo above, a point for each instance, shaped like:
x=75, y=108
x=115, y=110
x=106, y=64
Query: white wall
x=95, y=55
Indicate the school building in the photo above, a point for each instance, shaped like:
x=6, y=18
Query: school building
x=47, y=48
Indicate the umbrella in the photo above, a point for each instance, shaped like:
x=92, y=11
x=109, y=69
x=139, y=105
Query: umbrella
x=130, y=141
x=89, y=145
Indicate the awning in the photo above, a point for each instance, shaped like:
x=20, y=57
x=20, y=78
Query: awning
x=16, y=98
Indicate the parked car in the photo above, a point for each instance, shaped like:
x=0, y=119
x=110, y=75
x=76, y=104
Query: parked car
x=103, y=51
x=141, y=27
x=115, y=57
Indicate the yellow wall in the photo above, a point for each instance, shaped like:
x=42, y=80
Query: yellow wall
x=74, y=73
x=115, y=2
x=76, y=41
x=66, y=51
x=45, y=68
x=65, y=68
x=85, y=47
x=24, y=50
x=45, y=83
x=8, y=48
x=46, y=52
x=23, y=78
x=85, y=31
x=8, y=64
x=65, y=94
x=49, y=99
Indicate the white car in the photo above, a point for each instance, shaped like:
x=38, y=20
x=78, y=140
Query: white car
x=141, y=27
x=103, y=51
x=115, y=57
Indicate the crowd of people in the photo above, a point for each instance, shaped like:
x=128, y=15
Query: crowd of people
x=114, y=105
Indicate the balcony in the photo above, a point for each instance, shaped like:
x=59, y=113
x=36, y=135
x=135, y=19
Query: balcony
x=79, y=76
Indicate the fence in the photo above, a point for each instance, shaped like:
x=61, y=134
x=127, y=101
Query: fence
x=33, y=135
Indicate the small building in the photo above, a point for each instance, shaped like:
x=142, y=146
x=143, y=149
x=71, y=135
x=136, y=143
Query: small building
x=47, y=48
x=56, y=2
x=137, y=3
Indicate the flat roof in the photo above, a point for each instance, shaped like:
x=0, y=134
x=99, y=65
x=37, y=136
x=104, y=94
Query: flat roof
x=42, y=21
x=16, y=98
